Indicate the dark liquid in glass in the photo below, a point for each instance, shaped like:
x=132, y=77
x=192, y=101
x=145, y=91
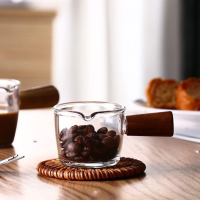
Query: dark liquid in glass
x=8, y=124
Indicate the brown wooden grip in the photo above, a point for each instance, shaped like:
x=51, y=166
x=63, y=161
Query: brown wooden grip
x=39, y=97
x=153, y=124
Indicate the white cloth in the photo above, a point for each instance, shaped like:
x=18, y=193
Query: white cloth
x=108, y=50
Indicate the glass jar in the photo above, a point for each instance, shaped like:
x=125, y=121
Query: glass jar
x=89, y=134
x=9, y=107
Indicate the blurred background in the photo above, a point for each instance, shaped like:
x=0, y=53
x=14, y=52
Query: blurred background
x=106, y=50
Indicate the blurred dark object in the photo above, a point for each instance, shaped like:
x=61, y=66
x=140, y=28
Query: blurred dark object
x=14, y=4
x=190, y=41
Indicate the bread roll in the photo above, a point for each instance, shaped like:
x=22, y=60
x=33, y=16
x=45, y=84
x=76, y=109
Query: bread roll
x=161, y=93
x=188, y=95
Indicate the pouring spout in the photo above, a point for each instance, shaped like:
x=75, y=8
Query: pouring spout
x=88, y=118
x=9, y=85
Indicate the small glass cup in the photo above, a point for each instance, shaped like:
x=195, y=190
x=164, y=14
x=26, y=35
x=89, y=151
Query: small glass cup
x=9, y=107
x=89, y=134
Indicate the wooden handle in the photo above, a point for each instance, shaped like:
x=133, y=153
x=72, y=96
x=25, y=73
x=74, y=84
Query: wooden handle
x=40, y=97
x=153, y=124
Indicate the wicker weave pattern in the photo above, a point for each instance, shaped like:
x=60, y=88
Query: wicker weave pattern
x=126, y=167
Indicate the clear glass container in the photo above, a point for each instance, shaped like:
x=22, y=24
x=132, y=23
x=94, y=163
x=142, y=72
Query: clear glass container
x=9, y=107
x=89, y=134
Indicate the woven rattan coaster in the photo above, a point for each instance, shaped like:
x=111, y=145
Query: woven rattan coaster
x=126, y=167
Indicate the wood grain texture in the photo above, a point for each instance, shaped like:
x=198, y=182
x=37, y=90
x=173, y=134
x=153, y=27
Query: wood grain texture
x=25, y=46
x=173, y=167
x=152, y=124
x=26, y=12
x=39, y=97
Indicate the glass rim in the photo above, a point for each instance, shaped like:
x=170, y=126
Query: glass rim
x=11, y=88
x=59, y=108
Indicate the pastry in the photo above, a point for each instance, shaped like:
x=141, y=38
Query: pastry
x=161, y=93
x=188, y=95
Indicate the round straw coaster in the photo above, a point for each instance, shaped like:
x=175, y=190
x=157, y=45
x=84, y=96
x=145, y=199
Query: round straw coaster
x=126, y=167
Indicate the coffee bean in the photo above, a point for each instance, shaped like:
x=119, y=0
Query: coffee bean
x=94, y=158
x=85, y=148
x=112, y=153
x=79, y=159
x=102, y=130
x=109, y=142
x=104, y=157
x=71, y=154
x=97, y=144
x=64, y=145
x=83, y=144
x=95, y=136
x=89, y=142
x=67, y=151
x=101, y=136
x=108, y=155
x=68, y=138
x=92, y=135
x=63, y=152
x=117, y=141
x=79, y=139
x=81, y=132
x=72, y=129
x=62, y=133
x=100, y=150
x=71, y=136
x=74, y=147
x=81, y=127
x=111, y=133
x=64, y=138
x=90, y=128
x=86, y=153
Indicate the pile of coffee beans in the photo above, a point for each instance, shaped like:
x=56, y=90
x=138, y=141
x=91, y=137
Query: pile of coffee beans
x=84, y=144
